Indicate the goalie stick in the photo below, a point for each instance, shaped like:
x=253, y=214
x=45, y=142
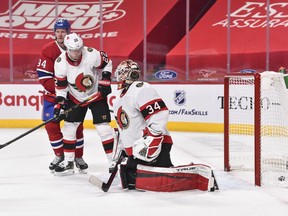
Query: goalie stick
x=106, y=186
x=92, y=97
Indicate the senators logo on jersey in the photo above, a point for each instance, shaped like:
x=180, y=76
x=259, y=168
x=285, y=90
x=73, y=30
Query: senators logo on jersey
x=122, y=118
x=83, y=83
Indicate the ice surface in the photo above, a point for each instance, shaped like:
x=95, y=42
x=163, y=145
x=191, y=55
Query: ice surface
x=27, y=188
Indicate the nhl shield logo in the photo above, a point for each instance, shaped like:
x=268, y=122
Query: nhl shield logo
x=180, y=97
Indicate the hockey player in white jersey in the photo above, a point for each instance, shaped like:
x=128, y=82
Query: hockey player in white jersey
x=76, y=73
x=142, y=116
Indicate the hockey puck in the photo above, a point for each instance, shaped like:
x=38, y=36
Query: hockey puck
x=281, y=178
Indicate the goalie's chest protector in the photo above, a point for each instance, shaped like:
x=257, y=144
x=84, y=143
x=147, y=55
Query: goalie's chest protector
x=128, y=115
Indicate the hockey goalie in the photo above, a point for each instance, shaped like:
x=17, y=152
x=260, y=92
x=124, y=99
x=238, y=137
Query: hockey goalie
x=142, y=116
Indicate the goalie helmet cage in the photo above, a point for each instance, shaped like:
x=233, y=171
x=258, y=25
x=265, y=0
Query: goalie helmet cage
x=256, y=126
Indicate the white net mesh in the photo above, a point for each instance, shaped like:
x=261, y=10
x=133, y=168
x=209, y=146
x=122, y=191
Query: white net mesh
x=273, y=126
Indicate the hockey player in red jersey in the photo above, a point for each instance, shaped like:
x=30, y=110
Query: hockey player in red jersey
x=45, y=70
x=77, y=78
x=142, y=116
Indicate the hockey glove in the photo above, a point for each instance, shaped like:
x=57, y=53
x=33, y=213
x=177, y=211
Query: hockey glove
x=59, y=109
x=104, y=85
x=148, y=147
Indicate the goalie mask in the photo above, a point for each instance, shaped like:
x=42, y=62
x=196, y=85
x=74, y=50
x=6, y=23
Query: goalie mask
x=127, y=71
x=74, y=45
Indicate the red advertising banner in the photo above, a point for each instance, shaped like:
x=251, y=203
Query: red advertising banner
x=211, y=48
x=32, y=24
x=248, y=46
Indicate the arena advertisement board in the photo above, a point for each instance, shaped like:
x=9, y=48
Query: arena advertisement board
x=114, y=26
x=187, y=103
x=114, y=23
x=253, y=35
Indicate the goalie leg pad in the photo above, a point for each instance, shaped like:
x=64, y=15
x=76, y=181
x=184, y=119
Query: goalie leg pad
x=180, y=178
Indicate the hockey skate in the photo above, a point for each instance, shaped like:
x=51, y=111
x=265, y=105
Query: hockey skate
x=81, y=165
x=57, y=160
x=65, y=168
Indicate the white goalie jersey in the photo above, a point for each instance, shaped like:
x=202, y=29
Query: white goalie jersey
x=140, y=106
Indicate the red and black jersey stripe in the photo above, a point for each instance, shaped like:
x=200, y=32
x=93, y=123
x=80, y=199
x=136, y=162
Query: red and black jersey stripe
x=61, y=83
x=152, y=107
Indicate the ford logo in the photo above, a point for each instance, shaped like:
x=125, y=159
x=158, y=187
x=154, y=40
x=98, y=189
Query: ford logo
x=248, y=71
x=166, y=74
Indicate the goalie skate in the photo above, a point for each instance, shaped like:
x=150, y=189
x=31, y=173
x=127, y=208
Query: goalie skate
x=65, y=168
x=214, y=184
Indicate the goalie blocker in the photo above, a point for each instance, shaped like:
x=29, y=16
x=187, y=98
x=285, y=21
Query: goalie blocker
x=162, y=179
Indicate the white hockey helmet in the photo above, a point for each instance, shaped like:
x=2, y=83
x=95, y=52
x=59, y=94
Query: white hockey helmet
x=128, y=71
x=74, y=45
x=73, y=42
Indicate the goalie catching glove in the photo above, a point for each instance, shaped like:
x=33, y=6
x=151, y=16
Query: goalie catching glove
x=148, y=147
x=59, y=109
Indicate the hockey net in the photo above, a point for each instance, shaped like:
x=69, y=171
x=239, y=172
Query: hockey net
x=256, y=126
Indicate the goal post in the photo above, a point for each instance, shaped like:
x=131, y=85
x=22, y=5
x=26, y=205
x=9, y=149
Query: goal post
x=256, y=126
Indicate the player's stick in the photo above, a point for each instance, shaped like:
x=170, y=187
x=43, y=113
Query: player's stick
x=116, y=147
x=92, y=97
x=105, y=186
